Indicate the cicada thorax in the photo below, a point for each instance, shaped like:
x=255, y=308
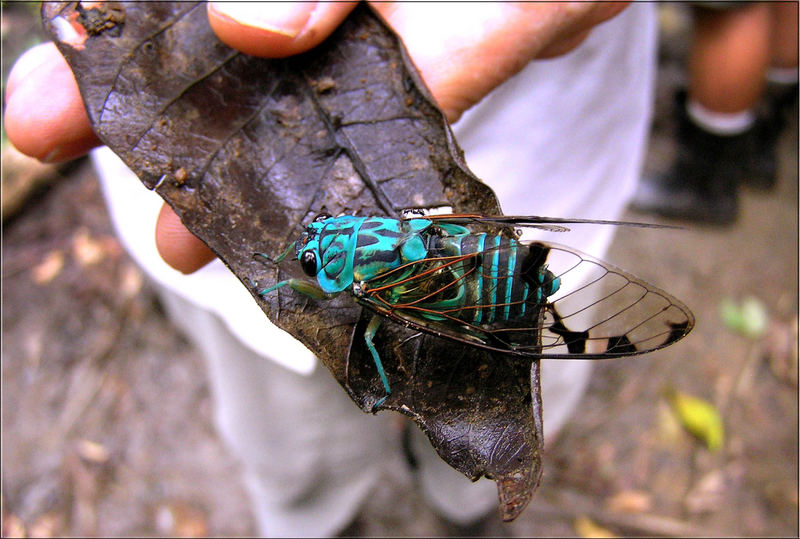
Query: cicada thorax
x=385, y=244
x=341, y=251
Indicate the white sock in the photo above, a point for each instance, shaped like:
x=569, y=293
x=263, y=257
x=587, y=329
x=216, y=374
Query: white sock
x=782, y=75
x=720, y=123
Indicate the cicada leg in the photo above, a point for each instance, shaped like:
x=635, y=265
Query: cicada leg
x=298, y=285
x=280, y=258
x=369, y=333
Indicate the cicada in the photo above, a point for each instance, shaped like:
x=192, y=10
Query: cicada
x=487, y=289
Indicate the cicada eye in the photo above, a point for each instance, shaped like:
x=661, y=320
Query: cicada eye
x=322, y=217
x=308, y=261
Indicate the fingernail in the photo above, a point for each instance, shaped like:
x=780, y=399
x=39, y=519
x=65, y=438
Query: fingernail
x=29, y=62
x=286, y=18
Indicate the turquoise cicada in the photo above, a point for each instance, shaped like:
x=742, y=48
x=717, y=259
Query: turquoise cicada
x=534, y=299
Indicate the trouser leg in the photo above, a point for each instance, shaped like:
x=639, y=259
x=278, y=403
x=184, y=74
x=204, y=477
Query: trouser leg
x=310, y=456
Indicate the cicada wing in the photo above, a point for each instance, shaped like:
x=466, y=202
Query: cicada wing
x=598, y=311
x=602, y=311
x=550, y=224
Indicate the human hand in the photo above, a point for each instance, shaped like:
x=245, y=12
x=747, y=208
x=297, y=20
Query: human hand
x=463, y=51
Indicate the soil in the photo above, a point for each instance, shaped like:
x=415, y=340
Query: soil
x=107, y=421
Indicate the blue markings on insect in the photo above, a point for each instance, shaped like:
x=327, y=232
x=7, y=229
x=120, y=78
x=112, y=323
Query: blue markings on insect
x=495, y=256
x=429, y=271
x=488, y=290
x=479, y=282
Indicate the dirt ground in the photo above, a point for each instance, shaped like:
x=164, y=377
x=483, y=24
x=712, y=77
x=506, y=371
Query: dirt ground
x=107, y=424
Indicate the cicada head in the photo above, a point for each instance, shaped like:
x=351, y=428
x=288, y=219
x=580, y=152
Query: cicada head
x=325, y=251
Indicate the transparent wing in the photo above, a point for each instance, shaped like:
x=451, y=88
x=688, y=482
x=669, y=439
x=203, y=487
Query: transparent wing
x=551, y=224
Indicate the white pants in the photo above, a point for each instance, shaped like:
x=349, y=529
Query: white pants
x=310, y=455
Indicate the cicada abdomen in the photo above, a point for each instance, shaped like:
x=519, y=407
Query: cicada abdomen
x=487, y=287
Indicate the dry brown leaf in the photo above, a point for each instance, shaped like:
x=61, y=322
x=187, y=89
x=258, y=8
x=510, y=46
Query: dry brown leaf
x=85, y=249
x=93, y=452
x=708, y=494
x=181, y=519
x=49, y=268
x=630, y=501
x=131, y=281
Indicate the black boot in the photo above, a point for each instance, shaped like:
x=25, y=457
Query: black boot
x=779, y=102
x=701, y=185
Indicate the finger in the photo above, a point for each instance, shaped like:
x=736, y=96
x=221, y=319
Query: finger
x=463, y=52
x=177, y=246
x=44, y=115
x=276, y=29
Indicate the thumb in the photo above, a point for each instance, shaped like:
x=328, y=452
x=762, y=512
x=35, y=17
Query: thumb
x=276, y=29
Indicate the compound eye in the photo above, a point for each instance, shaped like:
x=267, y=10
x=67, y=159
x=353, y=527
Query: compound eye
x=322, y=217
x=308, y=261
